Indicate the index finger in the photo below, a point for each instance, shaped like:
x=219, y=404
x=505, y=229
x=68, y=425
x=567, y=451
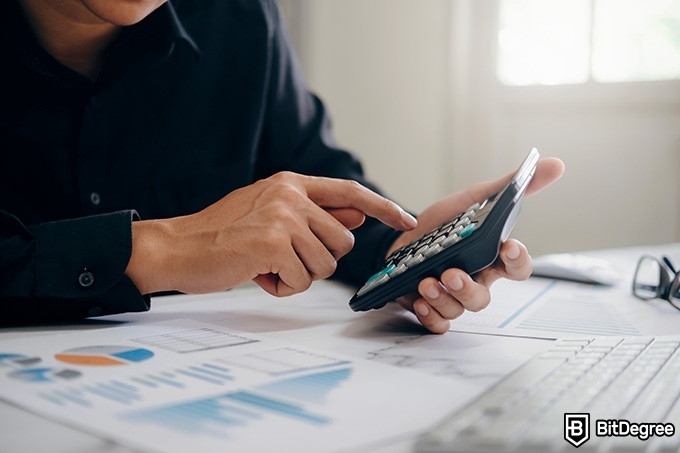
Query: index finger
x=343, y=193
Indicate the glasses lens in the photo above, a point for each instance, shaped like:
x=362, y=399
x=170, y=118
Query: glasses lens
x=647, y=278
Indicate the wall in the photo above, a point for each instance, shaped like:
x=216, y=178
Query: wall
x=381, y=68
x=412, y=90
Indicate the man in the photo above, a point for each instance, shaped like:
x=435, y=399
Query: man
x=152, y=146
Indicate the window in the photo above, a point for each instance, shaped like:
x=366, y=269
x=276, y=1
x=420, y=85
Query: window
x=553, y=42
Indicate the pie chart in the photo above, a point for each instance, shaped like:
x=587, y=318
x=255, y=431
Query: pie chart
x=44, y=375
x=17, y=360
x=104, y=355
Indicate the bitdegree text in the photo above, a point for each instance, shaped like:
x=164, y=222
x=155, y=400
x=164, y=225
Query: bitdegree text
x=625, y=428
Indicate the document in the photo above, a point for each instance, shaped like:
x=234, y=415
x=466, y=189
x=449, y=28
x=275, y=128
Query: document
x=549, y=309
x=179, y=385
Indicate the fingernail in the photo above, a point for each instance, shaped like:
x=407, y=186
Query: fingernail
x=455, y=283
x=513, y=251
x=408, y=219
x=422, y=309
x=432, y=292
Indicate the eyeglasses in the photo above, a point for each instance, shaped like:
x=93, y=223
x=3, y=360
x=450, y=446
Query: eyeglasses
x=657, y=279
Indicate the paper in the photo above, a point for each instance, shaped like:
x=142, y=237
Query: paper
x=546, y=308
x=321, y=317
x=178, y=385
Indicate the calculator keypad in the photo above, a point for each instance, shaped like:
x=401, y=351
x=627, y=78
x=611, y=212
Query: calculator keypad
x=425, y=247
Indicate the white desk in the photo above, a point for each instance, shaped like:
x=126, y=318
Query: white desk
x=320, y=317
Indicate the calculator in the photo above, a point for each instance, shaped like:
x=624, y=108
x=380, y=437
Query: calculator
x=470, y=241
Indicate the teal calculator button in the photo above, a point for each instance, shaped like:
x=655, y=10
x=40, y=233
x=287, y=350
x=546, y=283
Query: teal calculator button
x=465, y=232
x=380, y=273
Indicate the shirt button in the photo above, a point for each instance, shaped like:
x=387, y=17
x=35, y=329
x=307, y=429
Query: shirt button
x=95, y=199
x=86, y=279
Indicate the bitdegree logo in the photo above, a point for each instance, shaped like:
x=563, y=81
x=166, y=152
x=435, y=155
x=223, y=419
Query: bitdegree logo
x=577, y=429
x=624, y=428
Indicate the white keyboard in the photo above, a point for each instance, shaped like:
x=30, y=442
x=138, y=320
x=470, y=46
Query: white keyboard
x=620, y=379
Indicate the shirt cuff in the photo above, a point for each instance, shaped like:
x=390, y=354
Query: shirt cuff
x=82, y=262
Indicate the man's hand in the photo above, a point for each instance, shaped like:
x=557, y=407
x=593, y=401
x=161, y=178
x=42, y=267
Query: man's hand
x=440, y=300
x=283, y=232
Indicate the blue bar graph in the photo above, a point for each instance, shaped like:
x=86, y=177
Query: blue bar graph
x=127, y=391
x=313, y=388
x=217, y=415
x=279, y=407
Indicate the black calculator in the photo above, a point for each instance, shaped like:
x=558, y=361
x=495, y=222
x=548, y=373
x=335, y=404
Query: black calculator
x=470, y=241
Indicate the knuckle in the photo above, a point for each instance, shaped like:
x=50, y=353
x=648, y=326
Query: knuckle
x=346, y=244
x=272, y=239
x=524, y=273
x=332, y=267
x=480, y=303
x=456, y=311
x=286, y=192
x=281, y=215
x=387, y=205
x=283, y=177
x=439, y=326
x=327, y=270
x=353, y=187
x=305, y=283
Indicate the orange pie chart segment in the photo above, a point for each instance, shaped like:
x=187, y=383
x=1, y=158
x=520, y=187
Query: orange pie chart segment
x=104, y=355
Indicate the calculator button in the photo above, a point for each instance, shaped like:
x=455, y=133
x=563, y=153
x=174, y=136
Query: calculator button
x=413, y=260
x=438, y=240
x=445, y=231
x=403, y=261
x=449, y=241
x=472, y=210
x=396, y=256
x=433, y=250
x=376, y=280
x=392, y=259
x=457, y=229
x=398, y=270
x=428, y=237
x=422, y=250
x=465, y=221
x=468, y=230
x=380, y=280
x=363, y=290
x=380, y=273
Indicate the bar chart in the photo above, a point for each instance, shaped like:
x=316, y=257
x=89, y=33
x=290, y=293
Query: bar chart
x=217, y=415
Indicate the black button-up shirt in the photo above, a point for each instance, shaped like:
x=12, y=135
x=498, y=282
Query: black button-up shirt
x=198, y=99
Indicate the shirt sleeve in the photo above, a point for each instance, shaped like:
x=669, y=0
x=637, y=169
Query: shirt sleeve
x=297, y=136
x=66, y=270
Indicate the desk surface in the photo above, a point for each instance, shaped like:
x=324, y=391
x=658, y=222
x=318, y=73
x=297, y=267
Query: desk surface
x=320, y=317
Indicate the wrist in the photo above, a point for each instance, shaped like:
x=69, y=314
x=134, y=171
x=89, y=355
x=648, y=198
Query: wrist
x=149, y=266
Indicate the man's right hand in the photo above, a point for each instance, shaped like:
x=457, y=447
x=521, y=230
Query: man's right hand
x=283, y=232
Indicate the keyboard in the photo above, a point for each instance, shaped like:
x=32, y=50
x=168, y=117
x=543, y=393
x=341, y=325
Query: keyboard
x=586, y=393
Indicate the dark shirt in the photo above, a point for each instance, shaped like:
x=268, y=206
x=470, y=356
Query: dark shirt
x=199, y=99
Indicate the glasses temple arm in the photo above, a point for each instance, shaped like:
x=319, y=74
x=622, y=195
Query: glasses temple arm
x=668, y=263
